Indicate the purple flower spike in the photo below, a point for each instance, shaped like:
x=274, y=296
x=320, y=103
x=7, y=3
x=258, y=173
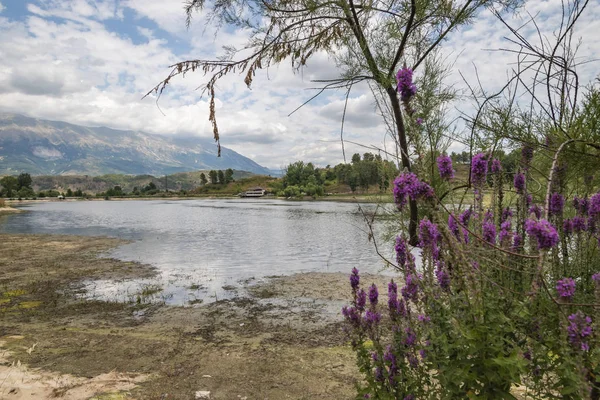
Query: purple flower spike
x=496, y=166
x=444, y=164
x=579, y=224
x=354, y=279
x=565, y=288
x=580, y=327
x=419, y=121
x=568, y=226
x=373, y=295
x=519, y=182
x=557, y=202
x=517, y=242
x=596, y=278
x=411, y=289
x=361, y=300
x=535, y=210
x=594, y=208
x=453, y=226
x=543, y=231
x=401, y=251
x=442, y=278
x=489, y=228
x=406, y=87
x=406, y=186
x=479, y=169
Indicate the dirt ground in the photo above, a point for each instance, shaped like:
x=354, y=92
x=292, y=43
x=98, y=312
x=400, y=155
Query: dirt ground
x=282, y=339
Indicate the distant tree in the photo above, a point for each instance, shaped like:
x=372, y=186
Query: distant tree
x=213, y=176
x=221, y=177
x=24, y=181
x=203, y=180
x=353, y=181
x=149, y=187
x=69, y=192
x=228, y=175
x=79, y=193
x=10, y=185
x=355, y=158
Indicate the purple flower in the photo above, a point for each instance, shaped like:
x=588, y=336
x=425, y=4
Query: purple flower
x=543, y=231
x=565, y=288
x=596, y=278
x=526, y=154
x=372, y=318
x=409, y=397
x=579, y=224
x=519, y=182
x=557, y=202
x=406, y=186
x=401, y=251
x=442, y=277
x=453, y=226
x=410, y=339
x=424, y=318
x=535, y=210
x=580, y=327
x=505, y=234
x=595, y=206
x=354, y=279
x=351, y=315
x=419, y=121
x=390, y=358
x=406, y=87
x=429, y=235
x=444, y=164
x=379, y=374
x=517, y=242
x=489, y=228
x=568, y=226
x=527, y=355
x=361, y=300
x=373, y=295
x=506, y=214
x=581, y=204
x=528, y=200
x=464, y=219
x=410, y=291
x=393, y=297
x=496, y=166
x=479, y=168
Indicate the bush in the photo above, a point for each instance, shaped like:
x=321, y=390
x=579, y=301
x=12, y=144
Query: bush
x=499, y=299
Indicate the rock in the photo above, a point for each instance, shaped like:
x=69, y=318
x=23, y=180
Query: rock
x=203, y=394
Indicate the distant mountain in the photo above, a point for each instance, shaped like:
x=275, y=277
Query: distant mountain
x=57, y=148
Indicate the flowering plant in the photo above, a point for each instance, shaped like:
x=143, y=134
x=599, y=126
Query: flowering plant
x=499, y=297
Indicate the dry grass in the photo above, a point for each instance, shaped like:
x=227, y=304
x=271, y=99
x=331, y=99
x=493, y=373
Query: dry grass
x=2, y=203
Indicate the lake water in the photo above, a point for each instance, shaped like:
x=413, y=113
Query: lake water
x=205, y=249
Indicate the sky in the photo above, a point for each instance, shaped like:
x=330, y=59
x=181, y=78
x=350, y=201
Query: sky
x=90, y=63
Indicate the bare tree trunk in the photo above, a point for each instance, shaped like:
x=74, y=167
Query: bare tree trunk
x=414, y=212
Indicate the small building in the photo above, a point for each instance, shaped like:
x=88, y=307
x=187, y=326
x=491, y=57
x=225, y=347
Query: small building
x=254, y=192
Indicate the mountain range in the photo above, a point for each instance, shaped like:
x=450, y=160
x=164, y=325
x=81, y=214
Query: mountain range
x=42, y=147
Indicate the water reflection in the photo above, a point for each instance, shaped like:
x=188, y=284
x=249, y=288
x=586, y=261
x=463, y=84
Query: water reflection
x=210, y=244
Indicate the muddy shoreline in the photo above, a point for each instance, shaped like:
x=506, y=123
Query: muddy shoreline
x=281, y=339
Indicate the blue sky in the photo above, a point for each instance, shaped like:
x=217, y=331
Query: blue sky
x=90, y=62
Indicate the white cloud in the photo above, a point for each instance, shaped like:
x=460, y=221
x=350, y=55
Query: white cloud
x=63, y=62
x=1, y=7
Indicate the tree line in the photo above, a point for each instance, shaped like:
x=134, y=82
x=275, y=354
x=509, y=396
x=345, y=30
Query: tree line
x=305, y=179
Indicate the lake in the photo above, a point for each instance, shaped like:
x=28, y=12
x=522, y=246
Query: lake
x=208, y=249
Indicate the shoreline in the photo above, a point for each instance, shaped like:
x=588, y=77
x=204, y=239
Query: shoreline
x=281, y=338
x=361, y=199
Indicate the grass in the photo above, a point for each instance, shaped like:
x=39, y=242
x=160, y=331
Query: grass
x=2, y=203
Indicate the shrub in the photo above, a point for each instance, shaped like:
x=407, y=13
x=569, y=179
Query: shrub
x=498, y=298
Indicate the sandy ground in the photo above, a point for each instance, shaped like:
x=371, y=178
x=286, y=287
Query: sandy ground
x=281, y=340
